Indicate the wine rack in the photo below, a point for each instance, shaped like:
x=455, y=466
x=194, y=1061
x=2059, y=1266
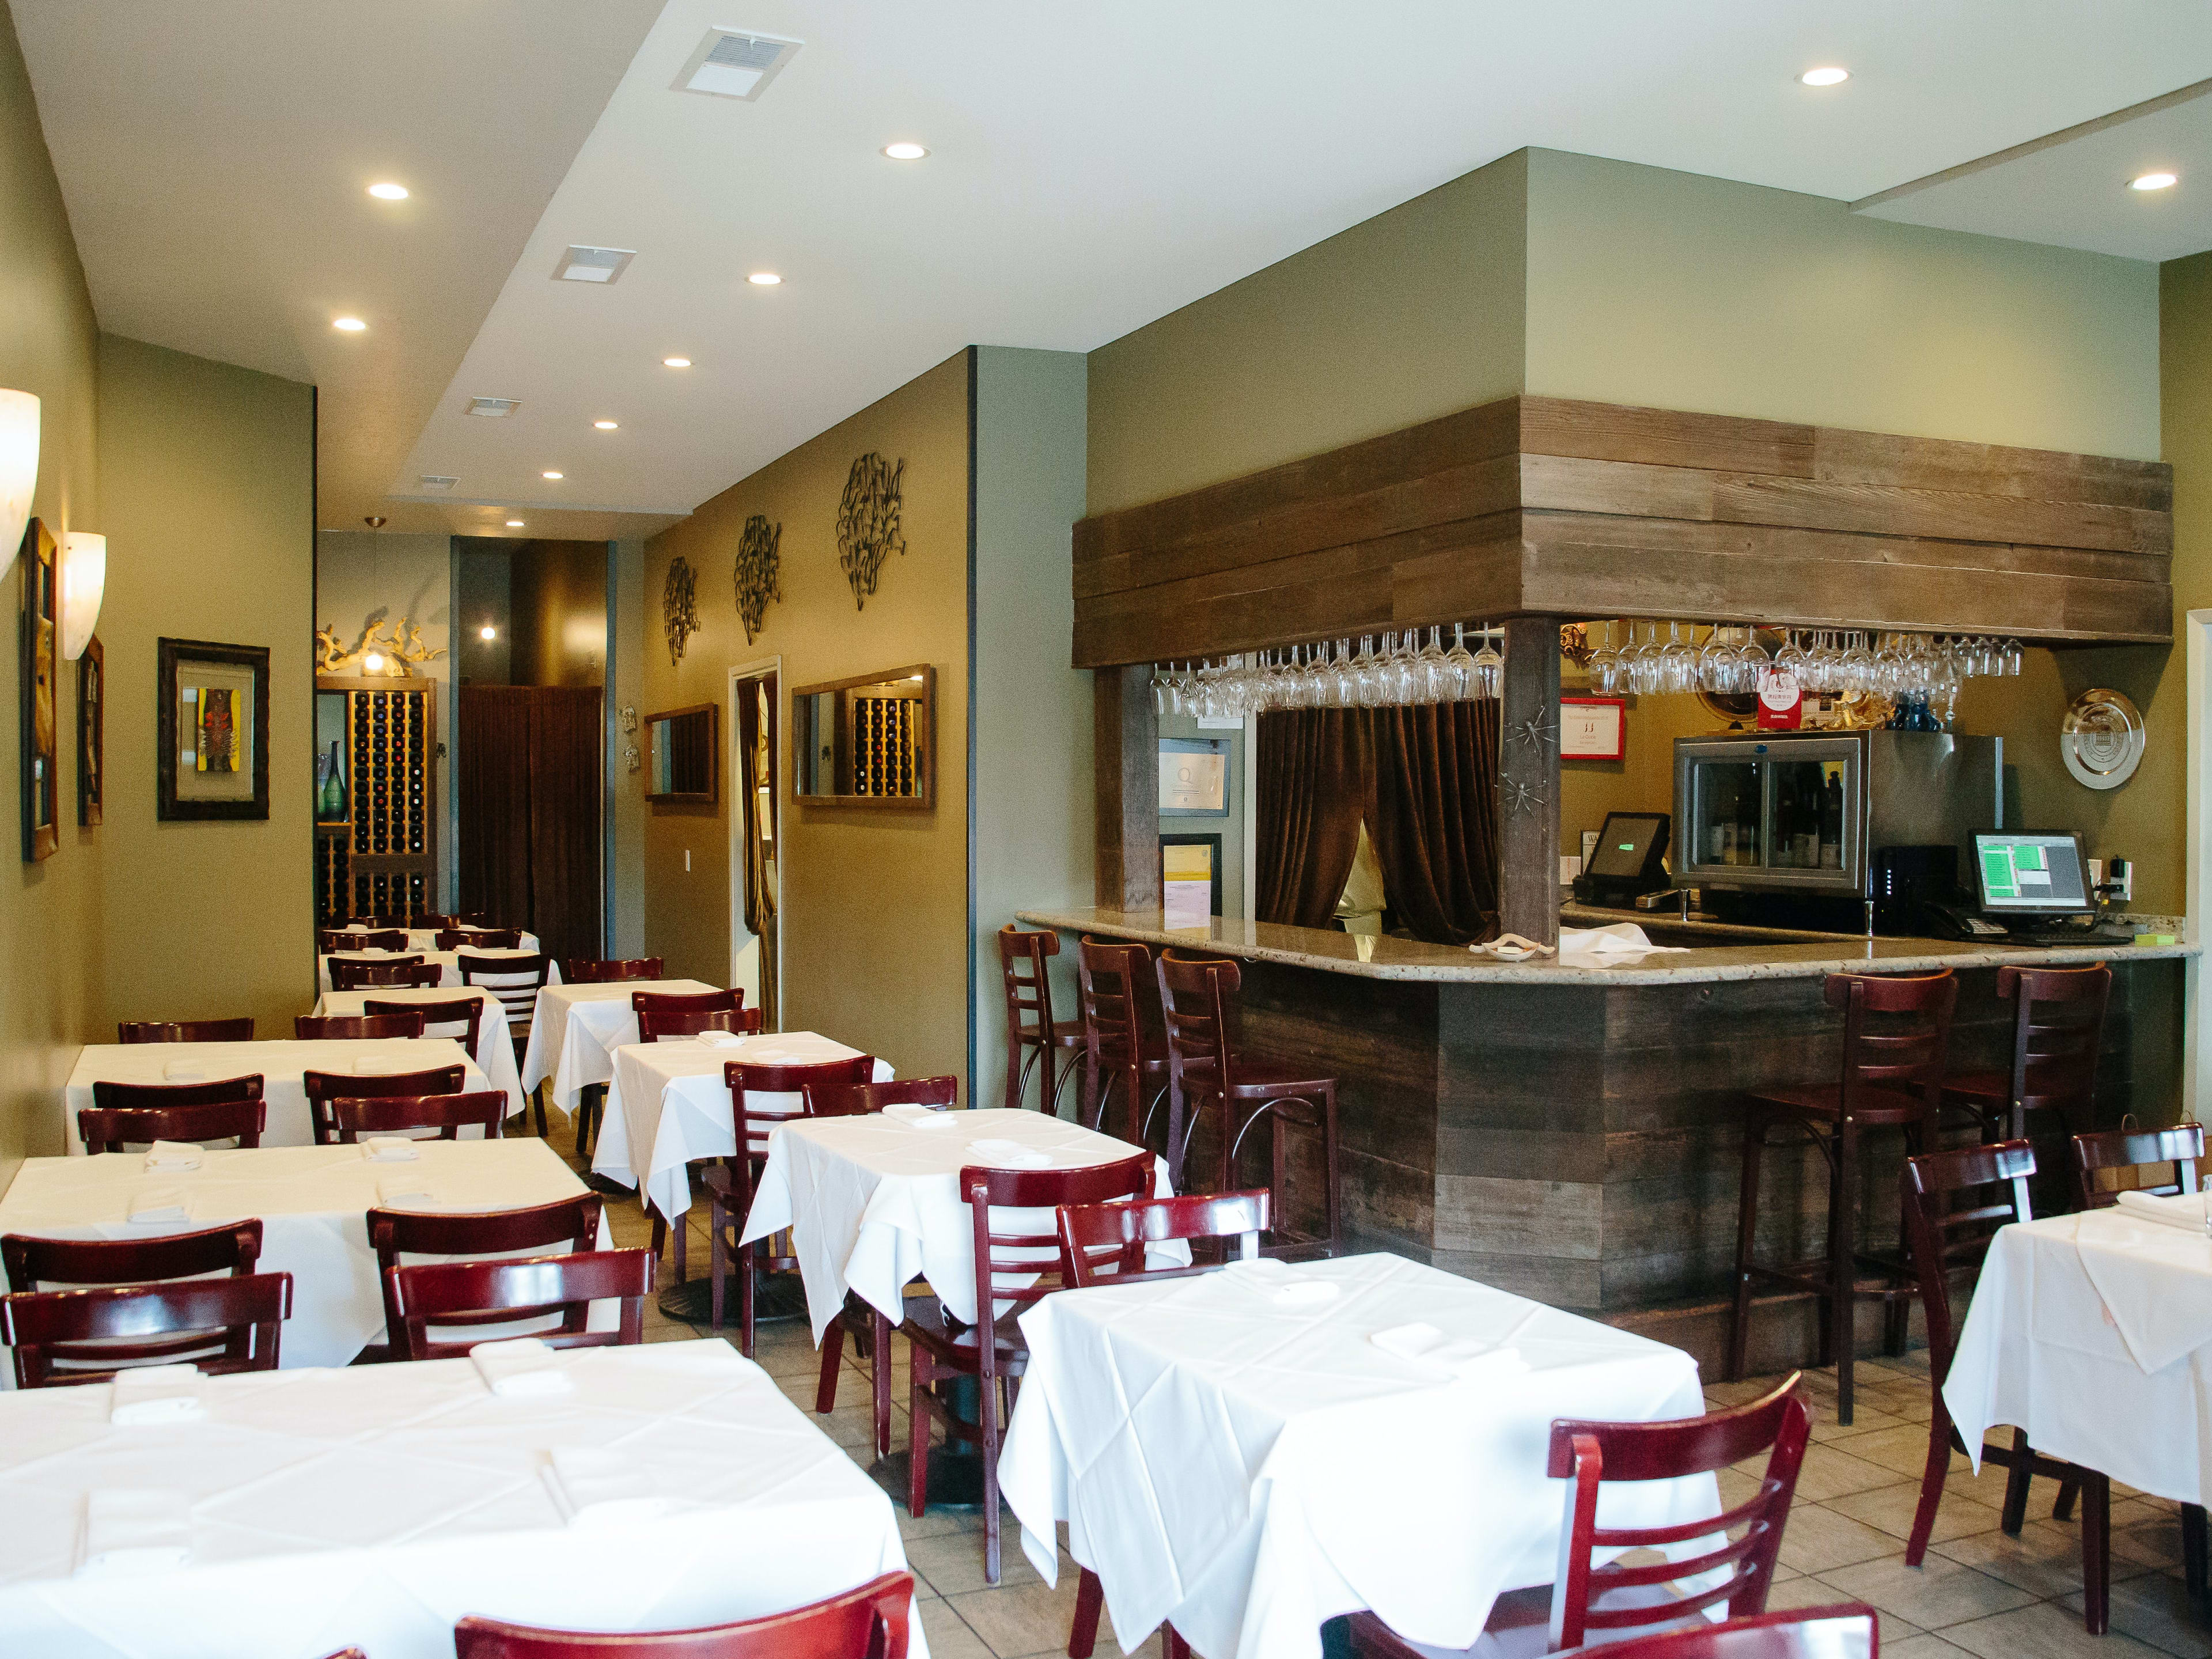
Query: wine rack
x=383, y=862
x=884, y=746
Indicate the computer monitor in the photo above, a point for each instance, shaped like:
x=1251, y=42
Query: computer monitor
x=2021, y=874
x=1628, y=851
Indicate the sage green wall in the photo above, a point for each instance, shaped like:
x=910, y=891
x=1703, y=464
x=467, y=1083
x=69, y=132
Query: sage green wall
x=50, y=912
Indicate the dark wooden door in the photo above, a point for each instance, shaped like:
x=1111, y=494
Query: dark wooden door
x=531, y=799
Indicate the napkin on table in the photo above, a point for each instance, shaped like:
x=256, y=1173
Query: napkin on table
x=379, y=1065
x=172, y=1155
x=921, y=1117
x=156, y=1394
x=131, y=1531
x=407, y=1193
x=595, y=1487
x=1466, y=1358
x=1007, y=1155
x=184, y=1071
x=1282, y=1284
x=389, y=1149
x=2183, y=1210
x=720, y=1039
x=152, y=1204
x=520, y=1367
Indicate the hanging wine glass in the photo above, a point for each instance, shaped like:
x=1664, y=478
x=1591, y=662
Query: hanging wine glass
x=1604, y=666
x=1489, y=668
x=1716, y=662
x=1435, y=672
x=1462, y=662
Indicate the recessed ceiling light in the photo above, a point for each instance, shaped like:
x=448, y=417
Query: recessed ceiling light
x=486, y=632
x=763, y=279
x=2153, y=181
x=388, y=192
x=552, y=475
x=905, y=152
x=579, y=264
x=515, y=524
x=347, y=325
x=1828, y=75
x=677, y=362
x=604, y=426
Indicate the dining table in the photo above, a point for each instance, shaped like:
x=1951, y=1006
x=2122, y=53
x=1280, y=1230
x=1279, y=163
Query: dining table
x=575, y=1029
x=280, y=1063
x=1236, y=1453
x=425, y=938
x=448, y=962
x=302, y=1511
x=495, y=1047
x=312, y=1203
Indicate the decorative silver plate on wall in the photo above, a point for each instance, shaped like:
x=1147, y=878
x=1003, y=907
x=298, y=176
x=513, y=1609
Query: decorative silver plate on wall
x=2101, y=739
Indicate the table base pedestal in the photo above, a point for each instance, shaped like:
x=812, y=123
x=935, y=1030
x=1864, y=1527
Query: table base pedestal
x=776, y=1297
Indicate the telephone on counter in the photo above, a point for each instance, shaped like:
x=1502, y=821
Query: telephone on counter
x=1957, y=921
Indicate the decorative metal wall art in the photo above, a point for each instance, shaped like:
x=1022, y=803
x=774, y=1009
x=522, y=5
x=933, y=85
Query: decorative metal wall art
x=868, y=522
x=391, y=655
x=42, y=831
x=759, y=572
x=679, y=608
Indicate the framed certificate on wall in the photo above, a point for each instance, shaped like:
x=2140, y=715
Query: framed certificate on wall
x=1193, y=778
x=1593, y=728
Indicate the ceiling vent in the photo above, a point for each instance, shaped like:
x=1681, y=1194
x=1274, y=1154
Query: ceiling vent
x=437, y=486
x=735, y=63
x=594, y=264
x=493, y=407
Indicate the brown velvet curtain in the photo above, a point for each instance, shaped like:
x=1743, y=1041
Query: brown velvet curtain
x=530, y=802
x=757, y=786
x=1425, y=781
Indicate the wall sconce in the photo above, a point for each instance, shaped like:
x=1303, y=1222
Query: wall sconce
x=19, y=469
x=84, y=584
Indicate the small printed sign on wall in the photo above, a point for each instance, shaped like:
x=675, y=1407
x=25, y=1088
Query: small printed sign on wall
x=1593, y=728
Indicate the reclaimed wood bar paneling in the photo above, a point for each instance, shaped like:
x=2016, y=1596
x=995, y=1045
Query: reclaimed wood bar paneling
x=1535, y=505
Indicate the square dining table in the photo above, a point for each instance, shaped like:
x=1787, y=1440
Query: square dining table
x=1234, y=1453
x=448, y=962
x=494, y=1049
x=312, y=1203
x=577, y=1028
x=283, y=1065
x=374, y=1506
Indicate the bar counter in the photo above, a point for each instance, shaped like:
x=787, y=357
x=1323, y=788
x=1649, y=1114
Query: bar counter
x=1570, y=1130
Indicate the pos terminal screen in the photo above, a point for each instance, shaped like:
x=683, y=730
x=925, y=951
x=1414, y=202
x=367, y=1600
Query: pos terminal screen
x=2026, y=873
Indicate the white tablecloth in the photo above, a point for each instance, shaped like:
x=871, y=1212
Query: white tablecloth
x=668, y=1107
x=379, y=1504
x=311, y=1201
x=1249, y=1470
x=282, y=1064
x=874, y=1204
x=425, y=938
x=447, y=961
x=2042, y=1349
x=494, y=1049
x=577, y=1028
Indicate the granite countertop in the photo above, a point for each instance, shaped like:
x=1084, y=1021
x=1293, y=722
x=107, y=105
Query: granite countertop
x=1781, y=956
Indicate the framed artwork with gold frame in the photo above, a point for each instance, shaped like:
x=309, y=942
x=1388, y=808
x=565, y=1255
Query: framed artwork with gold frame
x=212, y=753
x=42, y=796
x=91, y=732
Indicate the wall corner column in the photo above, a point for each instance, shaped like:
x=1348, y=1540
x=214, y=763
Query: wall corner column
x=1528, y=781
x=1125, y=751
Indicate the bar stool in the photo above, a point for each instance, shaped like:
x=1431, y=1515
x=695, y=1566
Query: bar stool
x=2058, y=1025
x=1196, y=999
x=1897, y=1034
x=1032, y=1034
x=1118, y=988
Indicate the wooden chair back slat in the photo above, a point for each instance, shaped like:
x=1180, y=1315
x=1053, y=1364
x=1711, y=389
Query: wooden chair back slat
x=51, y=1264
x=1847, y=1630
x=1104, y=1243
x=239, y=1319
x=1931, y=1184
x=416, y=976
x=866, y=1623
x=515, y=980
x=324, y=1087
x=334, y=940
x=652, y=1027
x=591, y=970
x=385, y=1115
x=571, y=1223
x=350, y=1028
x=456, y=1018
x=1897, y=1036
x=448, y=1294
x=1195, y=996
x=2179, y=1150
x=1028, y=988
x=686, y=1002
x=125, y=1114
x=852, y=1100
x=184, y=1030
x=478, y=938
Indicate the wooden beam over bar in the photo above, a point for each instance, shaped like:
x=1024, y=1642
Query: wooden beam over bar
x=1528, y=781
x=1125, y=789
x=1546, y=507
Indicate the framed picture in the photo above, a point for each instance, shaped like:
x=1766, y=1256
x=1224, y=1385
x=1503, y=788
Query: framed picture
x=212, y=755
x=42, y=798
x=1194, y=777
x=1593, y=728
x=91, y=732
x=1190, y=866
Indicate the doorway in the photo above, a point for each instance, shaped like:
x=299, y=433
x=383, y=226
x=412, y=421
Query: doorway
x=756, y=847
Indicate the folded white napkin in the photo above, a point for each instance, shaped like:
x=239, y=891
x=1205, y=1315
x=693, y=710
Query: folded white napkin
x=720, y=1039
x=921, y=1117
x=2183, y=1210
x=156, y=1394
x=152, y=1204
x=1284, y=1285
x=184, y=1071
x=595, y=1487
x=407, y=1193
x=380, y=1065
x=172, y=1155
x=389, y=1149
x=131, y=1531
x=522, y=1365
x=1006, y=1155
x=1466, y=1358
x=1616, y=939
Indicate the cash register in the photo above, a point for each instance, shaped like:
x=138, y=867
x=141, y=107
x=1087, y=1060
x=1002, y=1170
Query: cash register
x=2030, y=888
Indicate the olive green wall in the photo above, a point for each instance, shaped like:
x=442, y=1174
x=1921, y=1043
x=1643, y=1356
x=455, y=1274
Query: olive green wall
x=50, y=912
x=875, y=902
x=206, y=500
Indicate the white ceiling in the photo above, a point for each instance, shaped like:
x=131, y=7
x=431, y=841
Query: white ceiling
x=1093, y=168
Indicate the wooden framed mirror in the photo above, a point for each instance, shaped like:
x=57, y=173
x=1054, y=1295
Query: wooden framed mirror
x=867, y=741
x=683, y=754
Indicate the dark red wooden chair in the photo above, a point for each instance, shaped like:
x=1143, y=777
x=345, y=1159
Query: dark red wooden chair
x=515, y=980
x=866, y=1623
x=388, y=1114
x=1013, y=1270
x=1125, y=1036
x=184, y=1030
x=1198, y=1003
x=613, y=970
x=686, y=1002
x=2058, y=1020
x=324, y=1087
x=1897, y=1035
x=1848, y=1630
x=847, y=1100
x=2175, y=1153
x=139, y=1114
x=572, y=1223
x=1948, y=1237
x=324, y=1028
x=448, y=1294
x=413, y=975
x=456, y=1018
x=478, y=938
x=335, y=939
x=653, y=1025
x=1592, y=1600
x=240, y=1317
x=1034, y=1037
x=44, y=1264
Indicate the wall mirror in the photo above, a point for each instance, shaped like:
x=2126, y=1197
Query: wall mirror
x=868, y=741
x=680, y=754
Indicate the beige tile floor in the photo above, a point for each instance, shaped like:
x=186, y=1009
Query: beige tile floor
x=1978, y=1594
